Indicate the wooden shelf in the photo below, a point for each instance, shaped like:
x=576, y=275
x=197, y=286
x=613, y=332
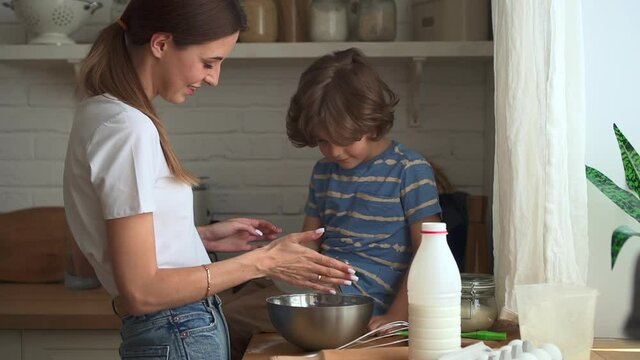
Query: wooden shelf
x=404, y=49
x=415, y=51
x=399, y=49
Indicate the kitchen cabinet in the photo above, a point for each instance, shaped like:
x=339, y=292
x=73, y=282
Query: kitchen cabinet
x=48, y=321
x=70, y=344
x=60, y=344
x=414, y=52
x=11, y=344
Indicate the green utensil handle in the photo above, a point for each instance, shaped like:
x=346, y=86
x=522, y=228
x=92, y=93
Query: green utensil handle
x=485, y=335
x=479, y=335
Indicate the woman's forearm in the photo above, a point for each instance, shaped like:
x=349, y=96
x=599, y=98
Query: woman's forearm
x=168, y=288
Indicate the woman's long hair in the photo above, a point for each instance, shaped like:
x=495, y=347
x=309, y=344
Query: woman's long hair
x=108, y=67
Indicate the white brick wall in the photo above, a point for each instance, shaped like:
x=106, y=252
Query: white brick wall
x=235, y=133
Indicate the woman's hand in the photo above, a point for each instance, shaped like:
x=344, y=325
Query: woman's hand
x=237, y=234
x=288, y=260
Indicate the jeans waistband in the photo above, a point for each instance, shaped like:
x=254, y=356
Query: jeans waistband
x=120, y=310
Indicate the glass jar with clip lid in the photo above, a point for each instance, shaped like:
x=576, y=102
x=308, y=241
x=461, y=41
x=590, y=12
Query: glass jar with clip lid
x=328, y=20
x=478, y=306
x=376, y=20
x=262, y=21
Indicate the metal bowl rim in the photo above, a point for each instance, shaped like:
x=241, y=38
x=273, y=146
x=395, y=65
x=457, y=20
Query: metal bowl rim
x=363, y=300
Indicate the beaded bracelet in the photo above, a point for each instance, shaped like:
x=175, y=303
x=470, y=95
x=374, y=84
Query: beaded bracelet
x=206, y=269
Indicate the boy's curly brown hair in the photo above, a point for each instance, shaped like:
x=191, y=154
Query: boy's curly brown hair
x=341, y=96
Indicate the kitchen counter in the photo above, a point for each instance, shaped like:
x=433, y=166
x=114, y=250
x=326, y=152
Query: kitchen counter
x=54, y=307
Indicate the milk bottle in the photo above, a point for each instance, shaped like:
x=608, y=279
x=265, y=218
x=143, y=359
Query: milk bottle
x=434, y=288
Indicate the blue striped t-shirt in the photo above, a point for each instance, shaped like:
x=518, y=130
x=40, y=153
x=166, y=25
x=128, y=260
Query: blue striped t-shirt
x=367, y=212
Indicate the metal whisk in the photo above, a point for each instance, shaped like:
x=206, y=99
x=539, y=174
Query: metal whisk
x=392, y=328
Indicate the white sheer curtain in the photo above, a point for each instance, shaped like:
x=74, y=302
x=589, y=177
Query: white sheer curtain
x=540, y=197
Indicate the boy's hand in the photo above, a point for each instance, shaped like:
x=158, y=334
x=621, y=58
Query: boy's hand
x=237, y=234
x=378, y=321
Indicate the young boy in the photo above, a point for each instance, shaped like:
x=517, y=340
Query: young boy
x=370, y=193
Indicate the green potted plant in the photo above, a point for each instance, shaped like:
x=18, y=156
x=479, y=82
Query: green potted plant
x=629, y=202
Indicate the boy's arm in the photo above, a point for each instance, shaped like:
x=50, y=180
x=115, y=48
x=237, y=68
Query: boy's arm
x=399, y=309
x=312, y=223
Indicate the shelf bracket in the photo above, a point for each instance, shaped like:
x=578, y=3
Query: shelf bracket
x=76, y=65
x=415, y=80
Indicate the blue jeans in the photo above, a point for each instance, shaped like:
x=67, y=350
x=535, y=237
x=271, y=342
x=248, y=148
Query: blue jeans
x=194, y=331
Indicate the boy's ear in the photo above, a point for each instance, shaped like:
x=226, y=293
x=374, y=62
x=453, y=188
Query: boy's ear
x=159, y=43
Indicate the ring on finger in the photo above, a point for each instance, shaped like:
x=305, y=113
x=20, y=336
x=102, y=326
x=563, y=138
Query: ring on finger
x=319, y=277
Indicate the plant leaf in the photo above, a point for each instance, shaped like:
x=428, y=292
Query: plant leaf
x=630, y=161
x=619, y=237
x=625, y=200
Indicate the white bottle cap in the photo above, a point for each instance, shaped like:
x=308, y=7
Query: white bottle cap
x=436, y=227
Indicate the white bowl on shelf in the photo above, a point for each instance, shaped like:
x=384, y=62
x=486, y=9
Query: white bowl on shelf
x=53, y=20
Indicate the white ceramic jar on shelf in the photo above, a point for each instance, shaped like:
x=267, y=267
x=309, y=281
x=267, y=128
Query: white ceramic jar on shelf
x=376, y=20
x=328, y=20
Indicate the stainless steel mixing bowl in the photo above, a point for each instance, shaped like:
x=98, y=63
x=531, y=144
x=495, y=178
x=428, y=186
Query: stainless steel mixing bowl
x=320, y=321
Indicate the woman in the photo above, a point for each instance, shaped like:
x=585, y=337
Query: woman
x=128, y=198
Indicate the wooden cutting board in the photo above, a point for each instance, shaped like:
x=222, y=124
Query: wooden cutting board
x=390, y=353
x=32, y=245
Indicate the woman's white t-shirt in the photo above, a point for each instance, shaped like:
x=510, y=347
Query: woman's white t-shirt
x=115, y=168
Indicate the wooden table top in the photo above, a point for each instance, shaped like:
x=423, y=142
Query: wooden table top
x=52, y=306
x=271, y=346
